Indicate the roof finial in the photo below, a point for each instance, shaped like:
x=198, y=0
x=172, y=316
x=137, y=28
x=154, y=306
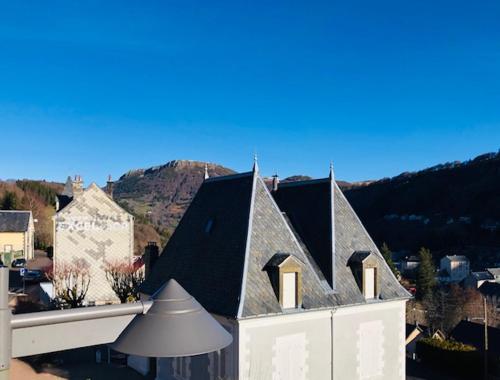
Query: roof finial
x=255, y=163
x=206, y=176
x=276, y=181
x=332, y=174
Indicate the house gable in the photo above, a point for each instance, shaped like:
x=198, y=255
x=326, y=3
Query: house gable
x=94, y=201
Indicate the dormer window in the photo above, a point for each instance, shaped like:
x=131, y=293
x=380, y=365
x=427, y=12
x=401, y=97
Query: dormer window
x=364, y=266
x=289, y=290
x=369, y=283
x=285, y=274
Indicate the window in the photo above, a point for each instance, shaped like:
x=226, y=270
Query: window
x=285, y=274
x=289, y=290
x=364, y=266
x=369, y=282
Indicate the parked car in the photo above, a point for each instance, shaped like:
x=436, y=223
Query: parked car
x=34, y=275
x=19, y=263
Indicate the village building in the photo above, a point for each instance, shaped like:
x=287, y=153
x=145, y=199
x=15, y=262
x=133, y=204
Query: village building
x=416, y=332
x=293, y=275
x=473, y=333
x=408, y=265
x=92, y=231
x=17, y=239
x=491, y=291
x=453, y=269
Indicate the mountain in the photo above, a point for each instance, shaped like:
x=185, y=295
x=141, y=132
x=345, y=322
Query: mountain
x=450, y=208
x=158, y=196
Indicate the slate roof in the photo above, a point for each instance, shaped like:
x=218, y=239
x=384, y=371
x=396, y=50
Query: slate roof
x=457, y=257
x=473, y=334
x=209, y=266
x=359, y=256
x=490, y=289
x=14, y=221
x=224, y=266
x=481, y=276
x=63, y=201
x=307, y=206
x=350, y=236
x=494, y=271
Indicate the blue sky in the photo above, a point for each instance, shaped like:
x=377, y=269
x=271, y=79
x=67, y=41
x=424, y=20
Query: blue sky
x=379, y=87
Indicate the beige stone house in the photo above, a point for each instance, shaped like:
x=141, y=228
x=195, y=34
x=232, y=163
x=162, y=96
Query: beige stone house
x=17, y=240
x=92, y=230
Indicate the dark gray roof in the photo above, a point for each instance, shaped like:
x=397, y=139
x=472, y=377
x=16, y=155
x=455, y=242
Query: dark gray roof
x=63, y=201
x=490, y=289
x=225, y=268
x=494, y=271
x=307, y=206
x=277, y=259
x=457, y=257
x=480, y=276
x=14, y=221
x=350, y=237
x=209, y=265
x=359, y=256
x=473, y=334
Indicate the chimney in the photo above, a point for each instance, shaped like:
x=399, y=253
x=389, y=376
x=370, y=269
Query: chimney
x=151, y=254
x=276, y=181
x=109, y=187
x=77, y=186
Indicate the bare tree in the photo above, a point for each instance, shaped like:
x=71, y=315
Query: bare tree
x=71, y=283
x=125, y=279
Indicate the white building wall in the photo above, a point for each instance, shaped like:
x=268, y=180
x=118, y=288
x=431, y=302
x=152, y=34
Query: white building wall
x=94, y=229
x=369, y=341
x=368, y=344
x=286, y=347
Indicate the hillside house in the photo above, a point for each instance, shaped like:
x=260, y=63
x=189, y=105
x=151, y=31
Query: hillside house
x=408, y=265
x=495, y=273
x=91, y=230
x=453, y=269
x=415, y=332
x=17, y=239
x=491, y=290
x=293, y=275
x=472, y=333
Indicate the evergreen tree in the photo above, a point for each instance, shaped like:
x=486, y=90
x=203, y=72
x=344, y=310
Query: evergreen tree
x=426, y=275
x=9, y=201
x=387, y=254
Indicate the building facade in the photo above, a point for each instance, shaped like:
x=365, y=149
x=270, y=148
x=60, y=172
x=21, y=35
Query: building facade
x=453, y=269
x=17, y=239
x=293, y=275
x=91, y=230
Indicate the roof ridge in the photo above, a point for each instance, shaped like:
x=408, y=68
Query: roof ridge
x=305, y=182
x=255, y=175
x=228, y=177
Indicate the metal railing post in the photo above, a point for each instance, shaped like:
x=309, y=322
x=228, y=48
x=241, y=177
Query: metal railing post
x=5, y=329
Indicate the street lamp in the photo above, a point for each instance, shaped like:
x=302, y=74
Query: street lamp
x=172, y=324
x=176, y=325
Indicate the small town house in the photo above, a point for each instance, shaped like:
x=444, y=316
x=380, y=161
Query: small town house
x=17, y=231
